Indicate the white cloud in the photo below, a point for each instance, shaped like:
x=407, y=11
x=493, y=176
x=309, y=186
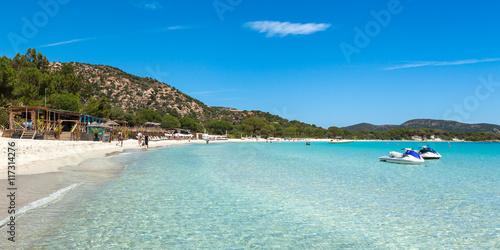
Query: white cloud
x=210, y=92
x=281, y=29
x=147, y=4
x=443, y=63
x=66, y=42
x=164, y=29
x=177, y=28
x=170, y=28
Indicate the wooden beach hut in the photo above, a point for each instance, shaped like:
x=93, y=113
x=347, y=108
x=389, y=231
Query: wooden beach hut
x=28, y=122
x=25, y=121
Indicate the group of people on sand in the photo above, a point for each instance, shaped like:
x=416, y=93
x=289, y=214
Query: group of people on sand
x=143, y=140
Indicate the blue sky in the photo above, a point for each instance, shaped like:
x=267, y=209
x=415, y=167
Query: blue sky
x=330, y=63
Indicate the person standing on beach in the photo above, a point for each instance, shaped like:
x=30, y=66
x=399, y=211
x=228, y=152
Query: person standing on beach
x=139, y=138
x=146, y=141
x=120, y=139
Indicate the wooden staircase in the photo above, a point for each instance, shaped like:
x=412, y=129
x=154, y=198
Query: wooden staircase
x=65, y=136
x=28, y=135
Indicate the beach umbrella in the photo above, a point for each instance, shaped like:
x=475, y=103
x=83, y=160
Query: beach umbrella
x=99, y=125
x=112, y=123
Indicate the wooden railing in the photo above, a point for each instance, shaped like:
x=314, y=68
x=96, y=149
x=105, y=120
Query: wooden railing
x=73, y=130
x=47, y=125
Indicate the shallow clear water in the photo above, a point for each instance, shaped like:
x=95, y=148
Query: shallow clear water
x=286, y=195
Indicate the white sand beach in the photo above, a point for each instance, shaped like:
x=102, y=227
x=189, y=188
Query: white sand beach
x=44, y=156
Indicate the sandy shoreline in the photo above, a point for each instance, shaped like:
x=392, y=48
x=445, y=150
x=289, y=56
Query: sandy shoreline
x=40, y=156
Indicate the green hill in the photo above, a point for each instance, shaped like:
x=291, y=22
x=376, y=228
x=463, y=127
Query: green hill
x=451, y=126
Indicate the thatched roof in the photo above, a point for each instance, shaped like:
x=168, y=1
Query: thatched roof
x=99, y=125
x=112, y=123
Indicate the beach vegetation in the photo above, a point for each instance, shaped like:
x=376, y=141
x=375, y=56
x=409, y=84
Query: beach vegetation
x=254, y=125
x=74, y=129
x=98, y=107
x=148, y=115
x=290, y=131
x=58, y=130
x=279, y=130
x=170, y=121
x=219, y=127
x=7, y=79
x=40, y=126
x=69, y=102
x=191, y=124
x=335, y=132
x=268, y=131
x=17, y=125
x=4, y=117
x=95, y=131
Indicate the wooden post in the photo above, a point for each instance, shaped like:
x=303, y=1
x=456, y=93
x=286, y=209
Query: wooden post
x=37, y=117
x=26, y=120
x=11, y=118
x=33, y=119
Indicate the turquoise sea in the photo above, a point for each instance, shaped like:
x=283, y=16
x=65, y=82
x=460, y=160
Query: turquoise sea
x=277, y=195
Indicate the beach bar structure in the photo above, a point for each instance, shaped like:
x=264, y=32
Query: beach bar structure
x=25, y=117
x=33, y=119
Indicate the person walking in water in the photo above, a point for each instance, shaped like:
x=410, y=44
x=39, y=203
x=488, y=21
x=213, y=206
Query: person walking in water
x=146, y=141
x=139, y=139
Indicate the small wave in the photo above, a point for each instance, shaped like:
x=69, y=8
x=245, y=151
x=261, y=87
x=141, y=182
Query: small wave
x=41, y=202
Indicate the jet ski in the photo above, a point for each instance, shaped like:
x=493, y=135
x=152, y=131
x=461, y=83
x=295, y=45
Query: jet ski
x=428, y=153
x=410, y=156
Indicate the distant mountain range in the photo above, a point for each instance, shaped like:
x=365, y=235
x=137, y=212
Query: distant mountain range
x=451, y=126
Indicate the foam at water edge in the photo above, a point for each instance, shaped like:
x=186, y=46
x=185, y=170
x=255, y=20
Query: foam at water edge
x=41, y=202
